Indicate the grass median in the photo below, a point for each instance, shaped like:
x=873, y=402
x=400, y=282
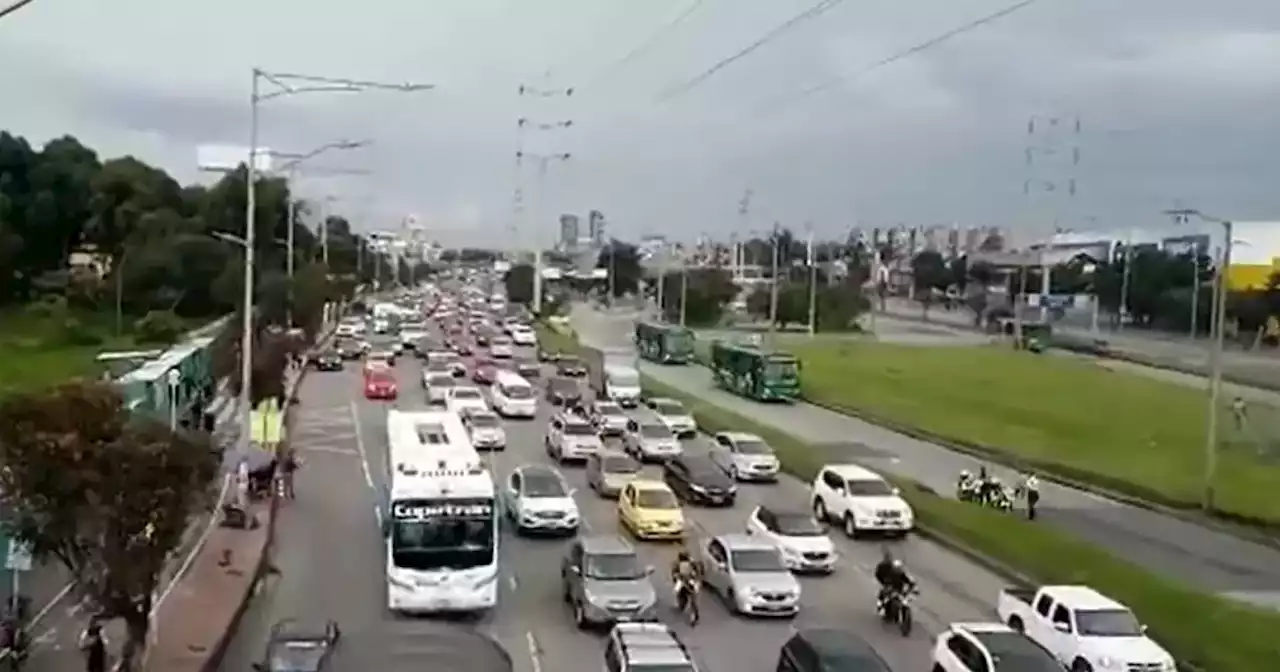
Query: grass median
x=1071, y=417
x=1210, y=632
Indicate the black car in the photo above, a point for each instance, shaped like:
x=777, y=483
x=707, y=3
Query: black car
x=564, y=391
x=699, y=480
x=482, y=338
x=296, y=648
x=569, y=365
x=547, y=355
x=349, y=349
x=829, y=650
x=329, y=360
x=528, y=369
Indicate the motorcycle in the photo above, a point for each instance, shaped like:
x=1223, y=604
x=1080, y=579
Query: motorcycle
x=687, y=599
x=896, y=610
x=14, y=645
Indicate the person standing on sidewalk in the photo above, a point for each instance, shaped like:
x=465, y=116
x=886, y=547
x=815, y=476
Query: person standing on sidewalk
x=1031, y=486
x=94, y=646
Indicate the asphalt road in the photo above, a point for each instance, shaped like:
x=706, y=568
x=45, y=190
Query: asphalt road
x=330, y=557
x=1199, y=556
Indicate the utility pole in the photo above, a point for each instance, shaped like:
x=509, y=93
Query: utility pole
x=1125, y=274
x=684, y=286
x=813, y=282
x=1052, y=157
x=547, y=94
x=744, y=225
x=773, y=287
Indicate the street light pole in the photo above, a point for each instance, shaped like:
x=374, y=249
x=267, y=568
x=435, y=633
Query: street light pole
x=1218, y=344
x=773, y=288
x=813, y=284
x=286, y=85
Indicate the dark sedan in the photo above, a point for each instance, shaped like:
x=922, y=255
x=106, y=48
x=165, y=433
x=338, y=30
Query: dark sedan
x=329, y=360
x=527, y=369
x=294, y=648
x=547, y=355
x=564, y=392
x=698, y=480
x=570, y=366
x=350, y=349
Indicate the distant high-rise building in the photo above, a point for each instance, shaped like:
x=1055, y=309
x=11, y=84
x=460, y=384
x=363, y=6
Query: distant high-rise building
x=596, y=227
x=568, y=231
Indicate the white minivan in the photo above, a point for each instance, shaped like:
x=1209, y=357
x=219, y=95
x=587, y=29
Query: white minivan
x=512, y=396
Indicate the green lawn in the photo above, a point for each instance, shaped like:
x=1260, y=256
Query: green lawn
x=35, y=353
x=1071, y=416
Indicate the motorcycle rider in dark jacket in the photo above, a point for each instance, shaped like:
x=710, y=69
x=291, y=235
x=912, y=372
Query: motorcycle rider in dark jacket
x=893, y=578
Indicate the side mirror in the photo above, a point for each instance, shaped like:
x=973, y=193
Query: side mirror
x=386, y=528
x=649, y=570
x=1143, y=627
x=1062, y=627
x=897, y=491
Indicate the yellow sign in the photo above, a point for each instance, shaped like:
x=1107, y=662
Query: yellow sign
x=267, y=422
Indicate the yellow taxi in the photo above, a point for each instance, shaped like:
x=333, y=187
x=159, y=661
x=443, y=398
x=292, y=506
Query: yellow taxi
x=648, y=509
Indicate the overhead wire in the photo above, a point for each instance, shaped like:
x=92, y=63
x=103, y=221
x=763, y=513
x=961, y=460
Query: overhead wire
x=6, y=11
x=648, y=43
x=784, y=101
x=777, y=31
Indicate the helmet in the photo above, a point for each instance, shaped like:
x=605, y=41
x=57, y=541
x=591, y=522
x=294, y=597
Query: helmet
x=965, y=473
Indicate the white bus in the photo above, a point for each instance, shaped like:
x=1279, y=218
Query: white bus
x=441, y=526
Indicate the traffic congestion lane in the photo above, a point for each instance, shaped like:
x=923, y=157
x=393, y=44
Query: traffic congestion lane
x=1196, y=555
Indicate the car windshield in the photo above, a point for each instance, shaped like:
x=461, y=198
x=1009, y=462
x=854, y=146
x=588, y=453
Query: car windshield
x=569, y=362
x=1108, y=623
x=870, y=488
x=653, y=498
x=620, y=464
x=655, y=432
x=501, y=341
x=613, y=566
x=543, y=484
x=757, y=561
x=670, y=408
x=517, y=391
x=752, y=447
x=379, y=378
x=609, y=409
x=579, y=429
x=662, y=667
x=297, y=656
x=562, y=385
x=797, y=525
x=485, y=421
x=624, y=379
x=441, y=381
x=467, y=393
x=1012, y=652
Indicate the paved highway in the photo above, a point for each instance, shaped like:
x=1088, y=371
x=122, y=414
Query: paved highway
x=1197, y=555
x=330, y=557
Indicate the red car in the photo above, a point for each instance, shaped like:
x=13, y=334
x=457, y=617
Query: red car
x=484, y=372
x=380, y=385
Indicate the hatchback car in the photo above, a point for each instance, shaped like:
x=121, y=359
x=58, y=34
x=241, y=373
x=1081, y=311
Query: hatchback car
x=609, y=470
x=649, y=510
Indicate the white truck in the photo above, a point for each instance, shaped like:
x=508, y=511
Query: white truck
x=613, y=375
x=1084, y=629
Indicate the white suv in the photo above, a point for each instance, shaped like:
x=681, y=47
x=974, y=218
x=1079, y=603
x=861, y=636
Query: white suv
x=860, y=500
x=572, y=437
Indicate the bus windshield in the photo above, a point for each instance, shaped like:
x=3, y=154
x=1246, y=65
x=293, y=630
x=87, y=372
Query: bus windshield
x=780, y=369
x=679, y=341
x=453, y=534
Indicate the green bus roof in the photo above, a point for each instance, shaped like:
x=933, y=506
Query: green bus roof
x=755, y=350
x=661, y=326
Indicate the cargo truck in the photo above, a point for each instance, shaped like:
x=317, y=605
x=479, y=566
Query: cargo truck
x=613, y=374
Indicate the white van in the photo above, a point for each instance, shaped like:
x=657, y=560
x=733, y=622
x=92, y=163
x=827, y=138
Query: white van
x=513, y=396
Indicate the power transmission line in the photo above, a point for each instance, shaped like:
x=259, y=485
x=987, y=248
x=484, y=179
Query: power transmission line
x=901, y=55
x=6, y=11
x=814, y=11
x=648, y=43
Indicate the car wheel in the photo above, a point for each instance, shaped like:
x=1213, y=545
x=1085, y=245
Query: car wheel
x=850, y=528
x=820, y=511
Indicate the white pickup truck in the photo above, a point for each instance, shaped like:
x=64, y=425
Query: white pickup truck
x=1086, y=630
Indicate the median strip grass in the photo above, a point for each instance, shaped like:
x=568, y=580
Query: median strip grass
x=1209, y=632
x=1065, y=416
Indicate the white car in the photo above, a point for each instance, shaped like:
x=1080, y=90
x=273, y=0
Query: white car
x=804, y=544
x=437, y=384
x=524, y=336
x=967, y=646
x=675, y=416
x=438, y=359
x=608, y=417
x=501, y=348
x=745, y=457
x=411, y=334
x=538, y=500
x=462, y=398
x=485, y=428
x=572, y=437
x=859, y=500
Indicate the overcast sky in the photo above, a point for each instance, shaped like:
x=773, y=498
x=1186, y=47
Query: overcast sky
x=1178, y=102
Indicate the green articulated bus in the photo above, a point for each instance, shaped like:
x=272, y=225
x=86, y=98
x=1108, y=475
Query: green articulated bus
x=664, y=343
x=755, y=373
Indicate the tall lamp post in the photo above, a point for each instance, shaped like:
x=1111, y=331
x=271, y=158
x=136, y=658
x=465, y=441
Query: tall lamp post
x=286, y=84
x=1217, y=328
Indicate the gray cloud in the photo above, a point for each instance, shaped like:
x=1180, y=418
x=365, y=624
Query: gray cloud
x=1174, y=97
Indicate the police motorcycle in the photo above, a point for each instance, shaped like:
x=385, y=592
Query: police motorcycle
x=985, y=491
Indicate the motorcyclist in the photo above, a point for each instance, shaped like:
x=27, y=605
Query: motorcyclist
x=893, y=578
x=990, y=489
x=966, y=484
x=686, y=574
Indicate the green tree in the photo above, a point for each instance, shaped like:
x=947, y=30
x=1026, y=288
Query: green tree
x=106, y=495
x=710, y=291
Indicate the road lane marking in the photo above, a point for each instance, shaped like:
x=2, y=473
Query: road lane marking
x=534, y=655
x=364, y=455
x=195, y=550
x=333, y=450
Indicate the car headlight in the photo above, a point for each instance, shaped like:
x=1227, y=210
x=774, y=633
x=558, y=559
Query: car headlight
x=1106, y=662
x=697, y=488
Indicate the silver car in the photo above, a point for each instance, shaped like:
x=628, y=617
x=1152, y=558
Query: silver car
x=605, y=583
x=651, y=440
x=750, y=575
x=609, y=470
x=745, y=457
x=675, y=415
x=608, y=417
